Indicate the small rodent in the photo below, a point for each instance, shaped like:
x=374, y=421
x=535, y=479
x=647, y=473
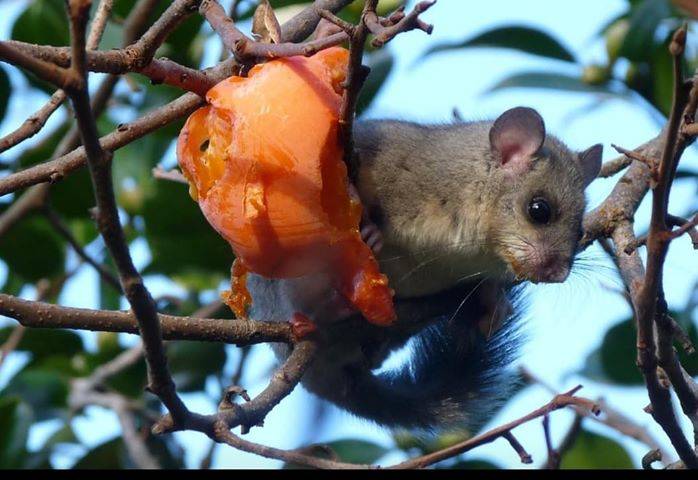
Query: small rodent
x=466, y=212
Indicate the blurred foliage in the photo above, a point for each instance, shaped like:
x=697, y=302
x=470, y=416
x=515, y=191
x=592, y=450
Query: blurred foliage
x=182, y=247
x=593, y=451
x=637, y=60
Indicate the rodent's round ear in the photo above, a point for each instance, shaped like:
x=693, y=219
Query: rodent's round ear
x=590, y=162
x=516, y=135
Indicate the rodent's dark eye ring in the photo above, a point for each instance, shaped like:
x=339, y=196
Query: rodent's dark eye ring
x=539, y=211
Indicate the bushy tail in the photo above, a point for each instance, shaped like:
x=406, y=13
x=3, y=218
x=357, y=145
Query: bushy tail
x=456, y=377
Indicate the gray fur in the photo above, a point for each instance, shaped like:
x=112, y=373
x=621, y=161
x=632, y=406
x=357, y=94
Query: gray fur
x=442, y=190
x=457, y=236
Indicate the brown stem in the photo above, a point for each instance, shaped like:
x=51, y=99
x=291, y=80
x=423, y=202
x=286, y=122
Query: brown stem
x=33, y=123
x=238, y=332
x=356, y=76
x=383, y=34
x=124, y=134
x=649, y=304
x=516, y=445
x=559, y=401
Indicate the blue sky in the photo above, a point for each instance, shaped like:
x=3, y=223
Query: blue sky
x=565, y=322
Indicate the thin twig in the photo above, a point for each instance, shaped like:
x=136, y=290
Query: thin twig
x=650, y=304
x=559, y=401
x=356, y=76
x=516, y=445
x=610, y=417
x=553, y=462
x=62, y=229
x=33, y=123
x=124, y=134
x=383, y=34
x=173, y=175
x=11, y=343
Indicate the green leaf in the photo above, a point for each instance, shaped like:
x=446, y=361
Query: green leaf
x=686, y=174
x=515, y=37
x=13, y=284
x=445, y=439
x=644, y=21
x=121, y=8
x=357, y=451
x=166, y=451
x=352, y=12
x=109, y=298
x=33, y=250
x=113, y=454
x=108, y=455
x=474, y=465
x=112, y=37
x=592, y=451
x=46, y=342
x=41, y=459
x=43, y=150
x=133, y=165
x=192, y=362
x=662, y=74
x=44, y=22
x=15, y=419
x=37, y=460
x=181, y=240
x=179, y=45
x=84, y=230
x=552, y=81
x=72, y=197
x=381, y=63
x=130, y=381
x=609, y=23
x=614, y=361
x=62, y=436
x=61, y=365
x=349, y=450
x=44, y=390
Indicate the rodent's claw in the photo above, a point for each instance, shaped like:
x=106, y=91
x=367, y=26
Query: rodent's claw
x=372, y=237
x=369, y=230
x=301, y=326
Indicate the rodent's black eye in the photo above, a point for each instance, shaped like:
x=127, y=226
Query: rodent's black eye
x=539, y=210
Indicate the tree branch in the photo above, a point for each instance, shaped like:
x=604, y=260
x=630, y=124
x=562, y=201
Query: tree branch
x=614, y=219
x=55, y=170
x=237, y=332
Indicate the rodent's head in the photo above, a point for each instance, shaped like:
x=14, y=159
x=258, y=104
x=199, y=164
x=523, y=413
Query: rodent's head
x=540, y=203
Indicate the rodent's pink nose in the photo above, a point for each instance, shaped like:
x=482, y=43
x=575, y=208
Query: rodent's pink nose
x=552, y=270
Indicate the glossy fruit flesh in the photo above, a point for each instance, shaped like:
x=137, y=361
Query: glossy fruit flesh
x=264, y=162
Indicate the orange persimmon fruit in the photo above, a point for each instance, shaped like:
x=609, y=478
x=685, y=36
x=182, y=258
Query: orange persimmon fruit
x=264, y=161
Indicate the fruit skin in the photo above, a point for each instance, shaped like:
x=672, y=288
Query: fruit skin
x=264, y=161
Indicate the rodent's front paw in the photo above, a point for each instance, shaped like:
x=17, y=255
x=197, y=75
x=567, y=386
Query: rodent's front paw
x=370, y=234
x=372, y=237
x=301, y=326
